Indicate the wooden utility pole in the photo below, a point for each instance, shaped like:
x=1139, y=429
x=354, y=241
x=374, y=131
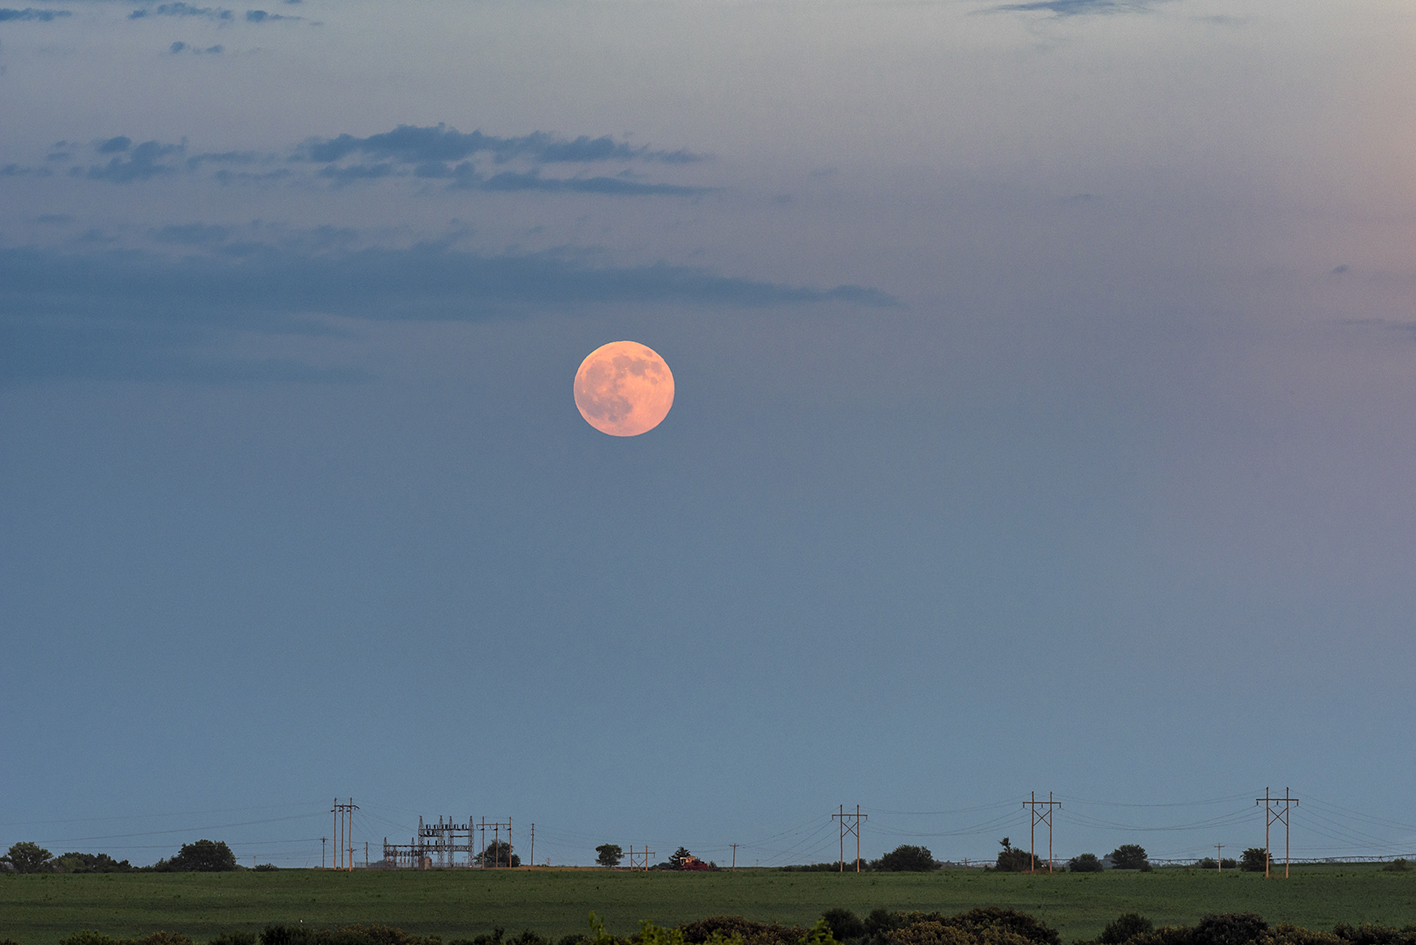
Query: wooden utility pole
x=1038, y=818
x=853, y=827
x=1274, y=813
x=533, y=844
x=734, y=846
x=322, y=852
x=1219, y=855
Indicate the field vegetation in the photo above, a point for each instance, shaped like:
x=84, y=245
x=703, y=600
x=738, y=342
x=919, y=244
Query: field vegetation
x=47, y=908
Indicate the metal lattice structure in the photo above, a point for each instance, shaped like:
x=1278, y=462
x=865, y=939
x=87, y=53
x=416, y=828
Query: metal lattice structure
x=448, y=844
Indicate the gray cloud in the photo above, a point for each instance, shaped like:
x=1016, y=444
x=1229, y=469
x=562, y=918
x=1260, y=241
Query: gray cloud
x=431, y=153
x=1075, y=7
x=137, y=312
x=261, y=16
x=142, y=163
x=182, y=9
x=19, y=170
x=179, y=47
x=43, y=16
x=410, y=144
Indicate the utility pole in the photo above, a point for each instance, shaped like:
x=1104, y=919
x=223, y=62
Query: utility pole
x=343, y=826
x=322, y=852
x=1219, y=856
x=734, y=846
x=852, y=827
x=639, y=860
x=533, y=844
x=1038, y=818
x=1273, y=813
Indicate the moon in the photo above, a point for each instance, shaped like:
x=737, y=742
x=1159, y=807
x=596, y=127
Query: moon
x=624, y=388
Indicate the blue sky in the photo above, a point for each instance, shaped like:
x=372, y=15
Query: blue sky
x=1044, y=383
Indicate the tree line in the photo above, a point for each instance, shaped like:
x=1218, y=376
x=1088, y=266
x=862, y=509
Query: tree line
x=1128, y=856
x=204, y=856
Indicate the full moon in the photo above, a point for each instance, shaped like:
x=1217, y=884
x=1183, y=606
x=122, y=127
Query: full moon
x=624, y=388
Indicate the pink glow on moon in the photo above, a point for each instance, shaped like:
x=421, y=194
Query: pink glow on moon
x=624, y=388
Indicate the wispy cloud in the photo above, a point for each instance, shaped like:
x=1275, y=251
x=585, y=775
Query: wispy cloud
x=180, y=47
x=539, y=162
x=146, y=161
x=182, y=9
x=410, y=144
x=1075, y=7
x=29, y=13
x=152, y=314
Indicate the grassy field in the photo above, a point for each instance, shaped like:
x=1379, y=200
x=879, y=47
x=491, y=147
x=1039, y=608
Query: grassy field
x=42, y=909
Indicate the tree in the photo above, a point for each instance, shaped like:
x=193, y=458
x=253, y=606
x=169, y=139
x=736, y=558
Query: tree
x=498, y=853
x=679, y=855
x=1013, y=860
x=91, y=863
x=1084, y=863
x=1254, y=860
x=27, y=857
x=609, y=854
x=204, y=856
x=1129, y=856
x=906, y=859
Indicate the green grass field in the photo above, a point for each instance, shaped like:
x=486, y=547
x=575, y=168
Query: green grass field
x=42, y=909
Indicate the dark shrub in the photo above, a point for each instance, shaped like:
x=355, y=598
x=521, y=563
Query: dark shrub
x=1084, y=863
x=844, y=924
x=752, y=933
x=1230, y=928
x=1125, y=927
x=1365, y=934
x=233, y=938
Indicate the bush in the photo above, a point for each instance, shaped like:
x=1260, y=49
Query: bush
x=1230, y=928
x=233, y=938
x=1129, y=856
x=906, y=859
x=1125, y=927
x=1254, y=860
x=844, y=924
x=735, y=926
x=992, y=925
x=1084, y=863
x=1365, y=934
x=1398, y=865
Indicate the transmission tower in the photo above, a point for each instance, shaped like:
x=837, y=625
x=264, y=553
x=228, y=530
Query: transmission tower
x=1276, y=811
x=1040, y=817
x=853, y=827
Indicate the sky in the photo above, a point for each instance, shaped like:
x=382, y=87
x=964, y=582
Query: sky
x=1045, y=376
